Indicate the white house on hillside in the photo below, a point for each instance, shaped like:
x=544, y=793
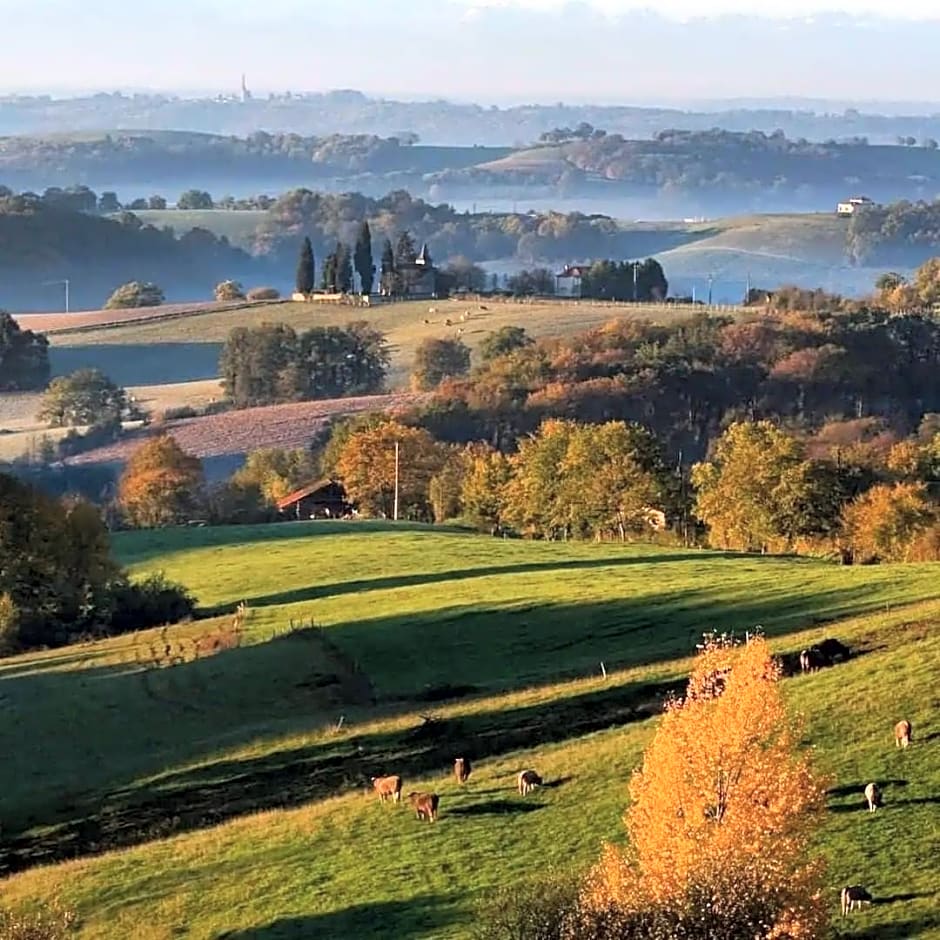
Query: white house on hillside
x=850, y=206
x=568, y=281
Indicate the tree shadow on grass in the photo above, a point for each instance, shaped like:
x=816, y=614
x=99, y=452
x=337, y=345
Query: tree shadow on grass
x=899, y=930
x=495, y=808
x=316, y=592
x=900, y=898
x=230, y=696
x=207, y=795
x=420, y=916
x=853, y=789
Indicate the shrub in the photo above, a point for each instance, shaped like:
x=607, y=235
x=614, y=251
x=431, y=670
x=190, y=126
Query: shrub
x=229, y=290
x=177, y=414
x=96, y=436
x=539, y=910
x=9, y=625
x=264, y=293
x=49, y=923
x=151, y=602
x=135, y=294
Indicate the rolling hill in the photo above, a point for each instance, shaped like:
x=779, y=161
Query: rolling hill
x=171, y=361
x=224, y=793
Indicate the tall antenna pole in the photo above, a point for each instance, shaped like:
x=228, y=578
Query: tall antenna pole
x=395, y=515
x=67, y=295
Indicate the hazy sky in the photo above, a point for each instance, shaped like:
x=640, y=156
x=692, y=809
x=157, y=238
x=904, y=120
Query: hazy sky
x=488, y=50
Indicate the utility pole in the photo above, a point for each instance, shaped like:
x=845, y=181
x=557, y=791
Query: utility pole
x=64, y=281
x=395, y=514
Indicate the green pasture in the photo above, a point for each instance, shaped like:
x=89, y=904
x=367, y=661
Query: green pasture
x=226, y=795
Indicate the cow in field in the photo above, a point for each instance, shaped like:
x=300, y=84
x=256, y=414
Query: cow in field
x=810, y=660
x=902, y=733
x=833, y=651
x=462, y=769
x=388, y=787
x=854, y=896
x=425, y=805
x=528, y=780
x=873, y=796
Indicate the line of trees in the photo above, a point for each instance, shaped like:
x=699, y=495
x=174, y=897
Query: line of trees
x=272, y=363
x=338, y=266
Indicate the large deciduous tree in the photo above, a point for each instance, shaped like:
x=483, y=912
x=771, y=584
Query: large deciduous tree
x=85, y=397
x=366, y=468
x=723, y=812
x=885, y=523
x=24, y=357
x=585, y=480
x=439, y=359
x=758, y=491
x=161, y=484
x=135, y=294
x=56, y=572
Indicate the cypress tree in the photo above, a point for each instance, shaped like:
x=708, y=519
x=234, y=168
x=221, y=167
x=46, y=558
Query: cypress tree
x=365, y=266
x=328, y=277
x=388, y=269
x=306, y=269
x=344, y=269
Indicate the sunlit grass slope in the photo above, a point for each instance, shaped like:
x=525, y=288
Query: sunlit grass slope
x=240, y=796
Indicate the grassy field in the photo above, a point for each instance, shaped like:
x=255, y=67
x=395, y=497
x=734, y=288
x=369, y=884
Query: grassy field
x=233, y=801
x=188, y=349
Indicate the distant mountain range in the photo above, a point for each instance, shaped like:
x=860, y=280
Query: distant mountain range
x=437, y=122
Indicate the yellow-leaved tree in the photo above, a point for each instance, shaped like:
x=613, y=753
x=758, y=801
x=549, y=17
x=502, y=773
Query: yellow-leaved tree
x=722, y=813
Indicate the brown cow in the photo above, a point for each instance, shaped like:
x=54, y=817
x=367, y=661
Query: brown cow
x=873, y=796
x=425, y=805
x=388, y=787
x=854, y=896
x=462, y=769
x=902, y=733
x=528, y=780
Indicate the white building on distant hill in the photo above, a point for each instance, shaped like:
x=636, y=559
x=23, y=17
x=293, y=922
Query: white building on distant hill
x=851, y=206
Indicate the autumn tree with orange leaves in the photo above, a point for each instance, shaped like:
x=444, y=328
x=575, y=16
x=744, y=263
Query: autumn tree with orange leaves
x=161, y=484
x=722, y=812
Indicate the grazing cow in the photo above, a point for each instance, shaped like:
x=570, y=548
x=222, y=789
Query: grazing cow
x=832, y=651
x=873, y=796
x=528, y=780
x=811, y=660
x=388, y=787
x=462, y=769
x=902, y=733
x=425, y=805
x=854, y=896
